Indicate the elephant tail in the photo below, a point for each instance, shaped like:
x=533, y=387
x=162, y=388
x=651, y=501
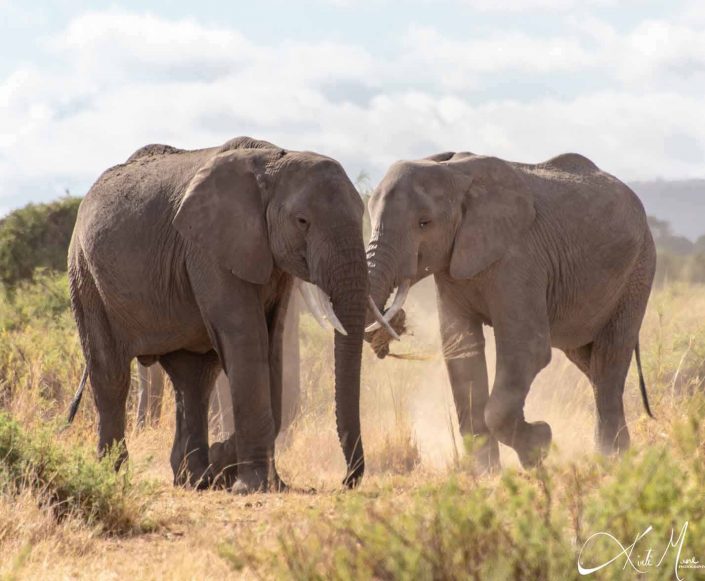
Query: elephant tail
x=76, y=401
x=642, y=383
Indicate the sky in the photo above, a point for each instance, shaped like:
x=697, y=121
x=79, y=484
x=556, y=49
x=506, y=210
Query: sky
x=368, y=82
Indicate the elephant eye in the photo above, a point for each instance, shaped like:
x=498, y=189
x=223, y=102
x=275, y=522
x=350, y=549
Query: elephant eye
x=302, y=222
x=424, y=223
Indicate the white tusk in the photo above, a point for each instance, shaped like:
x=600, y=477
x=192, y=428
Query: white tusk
x=307, y=292
x=399, y=300
x=380, y=322
x=328, y=312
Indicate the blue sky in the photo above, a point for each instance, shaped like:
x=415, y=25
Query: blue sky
x=83, y=84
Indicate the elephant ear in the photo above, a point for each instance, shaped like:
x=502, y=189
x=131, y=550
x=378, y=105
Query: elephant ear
x=222, y=213
x=498, y=210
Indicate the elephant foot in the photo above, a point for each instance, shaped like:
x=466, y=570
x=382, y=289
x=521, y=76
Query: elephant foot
x=116, y=450
x=250, y=481
x=613, y=441
x=223, y=460
x=533, y=444
x=200, y=479
x=484, y=451
x=192, y=470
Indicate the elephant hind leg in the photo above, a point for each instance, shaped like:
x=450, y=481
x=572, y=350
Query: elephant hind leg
x=193, y=376
x=108, y=366
x=608, y=371
x=611, y=356
x=581, y=358
x=609, y=364
x=110, y=383
x=605, y=363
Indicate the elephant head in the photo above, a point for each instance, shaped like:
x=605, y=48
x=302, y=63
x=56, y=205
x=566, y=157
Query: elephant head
x=454, y=214
x=259, y=208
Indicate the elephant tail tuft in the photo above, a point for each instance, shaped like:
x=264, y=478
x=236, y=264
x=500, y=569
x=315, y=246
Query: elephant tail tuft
x=642, y=383
x=76, y=401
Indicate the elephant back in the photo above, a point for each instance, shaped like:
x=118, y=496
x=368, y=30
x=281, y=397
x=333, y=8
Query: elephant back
x=152, y=150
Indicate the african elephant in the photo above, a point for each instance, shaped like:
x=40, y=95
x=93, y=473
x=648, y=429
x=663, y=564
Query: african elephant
x=151, y=383
x=188, y=257
x=556, y=254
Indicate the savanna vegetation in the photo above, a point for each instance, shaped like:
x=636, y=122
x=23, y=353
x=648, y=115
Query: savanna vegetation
x=421, y=512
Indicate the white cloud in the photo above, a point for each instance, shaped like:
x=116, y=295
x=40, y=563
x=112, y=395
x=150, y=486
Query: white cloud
x=463, y=61
x=128, y=79
x=509, y=6
x=532, y=5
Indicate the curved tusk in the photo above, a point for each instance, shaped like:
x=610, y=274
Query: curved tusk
x=328, y=312
x=380, y=322
x=307, y=292
x=399, y=300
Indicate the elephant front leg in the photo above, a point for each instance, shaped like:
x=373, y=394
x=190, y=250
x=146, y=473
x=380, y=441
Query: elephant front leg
x=518, y=363
x=464, y=354
x=223, y=455
x=244, y=352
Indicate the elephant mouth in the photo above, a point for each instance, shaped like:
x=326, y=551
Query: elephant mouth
x=384, y=320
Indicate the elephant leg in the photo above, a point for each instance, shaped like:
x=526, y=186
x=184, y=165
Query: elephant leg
x=156, y=392
x=193, y=376
x=235, y=320
x=224, y=406
x=523, y=348
x=581, y=357
x=223, y=454
x=608, y=371
x=611, y=356
x=245, y=354
x=142, y=395
x=606, y=365
x=108, y=366
x=151, y=391
x=464, y=353
x=110, y=383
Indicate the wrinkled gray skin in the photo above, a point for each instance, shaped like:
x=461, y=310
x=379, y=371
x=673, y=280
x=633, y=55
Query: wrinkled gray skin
x=556, y=254
x=187, y=257
x=151, y=382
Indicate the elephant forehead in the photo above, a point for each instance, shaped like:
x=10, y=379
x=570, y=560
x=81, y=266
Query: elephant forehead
x=415, y=184
x=313, y=172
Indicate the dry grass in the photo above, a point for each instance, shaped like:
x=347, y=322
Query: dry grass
x=411, y=438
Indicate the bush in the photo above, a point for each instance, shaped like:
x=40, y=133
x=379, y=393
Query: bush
x=36, y=236
x=525, y=525
x=69, y=481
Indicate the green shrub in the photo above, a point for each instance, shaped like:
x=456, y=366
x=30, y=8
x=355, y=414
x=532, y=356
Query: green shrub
x=525, y=525
x=36, y=236
x=70, y=481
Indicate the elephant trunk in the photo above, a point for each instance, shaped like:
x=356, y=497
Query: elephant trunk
x=382, y=267
x=348, y=288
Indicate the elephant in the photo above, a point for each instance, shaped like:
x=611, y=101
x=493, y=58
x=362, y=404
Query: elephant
x=151, y=383
x=551, y=255
x=187, y=257
x=150, y=394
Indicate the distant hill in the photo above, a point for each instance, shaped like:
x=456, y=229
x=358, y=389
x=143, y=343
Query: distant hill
x=679, y=202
